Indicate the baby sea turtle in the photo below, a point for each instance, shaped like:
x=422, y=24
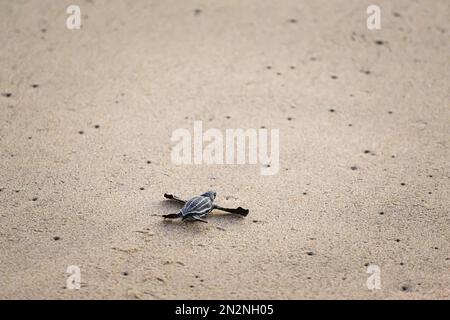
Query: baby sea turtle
x=200, y=206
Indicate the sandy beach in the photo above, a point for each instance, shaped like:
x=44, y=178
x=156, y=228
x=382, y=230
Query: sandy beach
x=87, y=117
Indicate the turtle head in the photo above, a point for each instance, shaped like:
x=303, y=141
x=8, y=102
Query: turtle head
x=210, y=194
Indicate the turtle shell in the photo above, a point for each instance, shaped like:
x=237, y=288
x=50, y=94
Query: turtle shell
x=197, y=206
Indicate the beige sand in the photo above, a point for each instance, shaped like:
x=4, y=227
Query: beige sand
x=141, y=69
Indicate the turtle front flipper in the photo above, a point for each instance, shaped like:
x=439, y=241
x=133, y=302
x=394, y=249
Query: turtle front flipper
x=239, y=210
x=175, y=198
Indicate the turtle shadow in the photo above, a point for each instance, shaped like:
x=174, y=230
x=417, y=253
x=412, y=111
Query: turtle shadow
x=181, y=226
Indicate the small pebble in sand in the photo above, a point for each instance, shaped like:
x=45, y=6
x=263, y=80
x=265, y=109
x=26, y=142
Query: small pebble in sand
x=406, y=288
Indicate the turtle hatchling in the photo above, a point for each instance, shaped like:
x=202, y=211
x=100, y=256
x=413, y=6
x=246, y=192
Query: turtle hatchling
x=198, y=207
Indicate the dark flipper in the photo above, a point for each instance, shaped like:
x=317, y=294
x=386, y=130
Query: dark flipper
x=241, y=211
x=172, y=216
x=175, y=198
